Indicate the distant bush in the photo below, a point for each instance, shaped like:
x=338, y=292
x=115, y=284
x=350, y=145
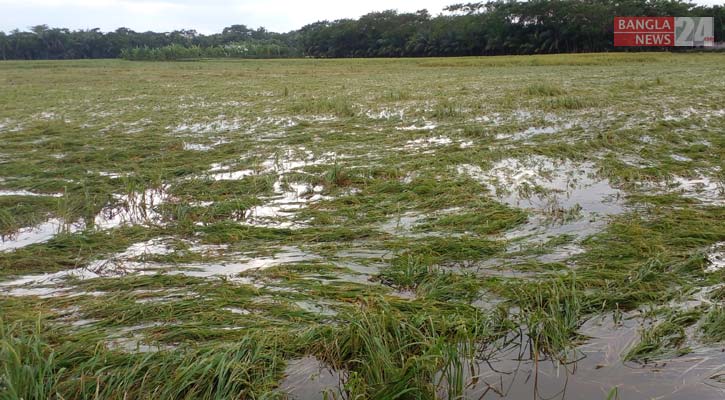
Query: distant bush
x=231, y=50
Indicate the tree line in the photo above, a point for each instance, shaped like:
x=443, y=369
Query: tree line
x=490, y=28
x=44, y=43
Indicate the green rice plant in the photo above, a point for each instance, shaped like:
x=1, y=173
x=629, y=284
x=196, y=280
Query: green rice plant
x=641, y=260
x=338, y=176
x=446, y=109
x=408, y=270
x=231, y=232
x=713, y=326
x=476, y=131
x=21, y=211
x=213, y=190
x=389, y=354
x=449, y=249
x=240, y=370
x=65, y=209
x=664, y=339
x=33, y=368
x=450, y=286
x=544, y=89
x=550, y=311
x=570, y=103
x=420, y=273
x=718, y=294
x=8, y=222
x=29, y=368
x=487, y=218
x=226, y=210
x=339, y=106
x=396, y=95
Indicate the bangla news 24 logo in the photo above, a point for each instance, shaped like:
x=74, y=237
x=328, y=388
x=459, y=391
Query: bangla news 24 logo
x=663, y=31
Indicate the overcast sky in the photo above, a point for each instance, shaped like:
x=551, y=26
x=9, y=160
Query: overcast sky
x=206, y=16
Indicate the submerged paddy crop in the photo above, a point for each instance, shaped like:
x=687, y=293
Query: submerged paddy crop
x=497, y=227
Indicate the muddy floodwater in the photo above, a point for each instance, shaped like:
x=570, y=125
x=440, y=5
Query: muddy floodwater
x=539, y=227
x=597, y=368
x=510, y=372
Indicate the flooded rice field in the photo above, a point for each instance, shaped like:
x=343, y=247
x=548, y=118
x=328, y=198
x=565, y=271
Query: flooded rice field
x=348, y=229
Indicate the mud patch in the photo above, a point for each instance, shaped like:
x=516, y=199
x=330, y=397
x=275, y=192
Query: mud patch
x=131, y=340
x=233, y=175
x=203, y=147
x=113, y=175
x=279, y=209
x=38, y=234
x=716, y=257
x=385, y=114
x=428, y=142
x=548, y=185
x=9, y=125
x=53, y=284
x=319, y=308
x=138, y=208
x=702, y=187
x=402, y=225
x=680, y=158
x=28, y=193
x=308, y=378
x=218, y=125
x=289, y=197
x=424, y=126
x=131, y=261
x=534, y=131
x=564, y=198
x=231, y=269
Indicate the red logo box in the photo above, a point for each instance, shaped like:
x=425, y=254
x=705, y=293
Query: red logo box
x=644, y=31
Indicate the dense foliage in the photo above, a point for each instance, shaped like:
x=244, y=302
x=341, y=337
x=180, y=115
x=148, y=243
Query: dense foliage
x=42, y=42
x=512, y=27
x=501, y=27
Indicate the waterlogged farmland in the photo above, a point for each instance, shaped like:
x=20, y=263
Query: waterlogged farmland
x=539, y=227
